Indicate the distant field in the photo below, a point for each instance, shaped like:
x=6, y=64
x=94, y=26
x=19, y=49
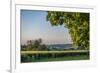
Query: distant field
x=46, y=52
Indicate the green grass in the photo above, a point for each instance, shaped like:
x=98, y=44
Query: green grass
x=68, y=58
x=46, y=56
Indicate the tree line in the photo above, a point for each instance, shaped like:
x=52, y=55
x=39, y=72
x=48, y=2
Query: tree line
x=35, y=45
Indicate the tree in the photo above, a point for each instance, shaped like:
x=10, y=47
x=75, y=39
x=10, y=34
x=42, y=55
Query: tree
x=43, y=47
x=29, y=45
x=37, y=43
x=34, y=44
x=23, y=47
x=77, y=24
x=40, y=40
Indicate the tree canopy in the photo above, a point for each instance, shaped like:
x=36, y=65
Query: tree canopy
x=77, y=24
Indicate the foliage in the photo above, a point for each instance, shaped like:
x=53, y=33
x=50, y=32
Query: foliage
x=29, y=45
x=43, y=47
x=35, y=45
x=77, y=24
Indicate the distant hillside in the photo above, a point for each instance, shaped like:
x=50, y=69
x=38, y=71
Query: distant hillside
x=59, y=46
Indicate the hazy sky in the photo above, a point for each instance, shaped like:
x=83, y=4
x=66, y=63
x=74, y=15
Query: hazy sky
x=35, y=26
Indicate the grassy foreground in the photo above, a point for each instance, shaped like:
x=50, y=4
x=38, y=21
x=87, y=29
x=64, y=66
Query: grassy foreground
x=81, y=57
x=45, y=56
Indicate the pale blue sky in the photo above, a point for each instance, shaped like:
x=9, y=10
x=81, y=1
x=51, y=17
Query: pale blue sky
x=35, y=26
